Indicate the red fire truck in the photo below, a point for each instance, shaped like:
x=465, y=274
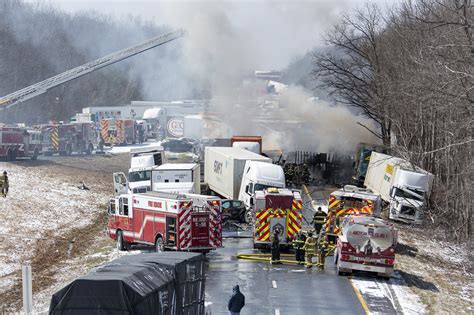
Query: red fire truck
x=366, y=243
x=182, y=222
x=276, y=209
x=18, y=142
x=115, y=131
x=65, y=139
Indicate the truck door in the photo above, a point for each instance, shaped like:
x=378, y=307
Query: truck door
x=125, y=213
x=171, y=235
x=200, y=229
x=120, y=183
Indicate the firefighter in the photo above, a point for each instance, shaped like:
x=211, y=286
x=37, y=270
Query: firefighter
x=4, y=183
x=298, y=244
x=319, y=218
x=141, y=135
x=275, y=249
x=309, y=247
x=323, y=247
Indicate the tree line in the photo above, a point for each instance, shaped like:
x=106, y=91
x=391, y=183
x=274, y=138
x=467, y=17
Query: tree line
x=411, y=70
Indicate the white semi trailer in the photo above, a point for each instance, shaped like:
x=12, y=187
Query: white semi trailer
x=403, y=186
x=235, y=173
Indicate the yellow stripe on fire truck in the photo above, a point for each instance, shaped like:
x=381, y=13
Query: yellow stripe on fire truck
x=55, y=138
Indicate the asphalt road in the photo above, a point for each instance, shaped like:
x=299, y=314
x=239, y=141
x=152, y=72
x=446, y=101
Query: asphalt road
x=276, y=289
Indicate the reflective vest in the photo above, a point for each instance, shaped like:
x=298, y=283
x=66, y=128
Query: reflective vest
x=309, y=245
x=319, y=217
x=298, y=244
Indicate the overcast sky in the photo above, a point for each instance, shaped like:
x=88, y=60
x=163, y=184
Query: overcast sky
x=280, y=30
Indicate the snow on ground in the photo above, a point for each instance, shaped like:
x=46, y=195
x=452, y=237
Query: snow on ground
x=395, y=291
x=41, y=204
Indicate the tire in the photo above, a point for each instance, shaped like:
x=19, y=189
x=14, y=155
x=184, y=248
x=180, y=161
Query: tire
x=248, y=216
x=48, y=153
x=159, y=246
x=90, y=148
x=34, y=157
x=120, y=241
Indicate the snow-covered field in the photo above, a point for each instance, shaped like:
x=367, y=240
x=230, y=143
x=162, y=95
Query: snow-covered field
x=44, y=202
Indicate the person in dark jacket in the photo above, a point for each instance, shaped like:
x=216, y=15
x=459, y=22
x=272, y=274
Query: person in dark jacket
x=236, y=302
x=275, y=248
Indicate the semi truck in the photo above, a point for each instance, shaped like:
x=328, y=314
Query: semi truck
x=276, y=209
x=361, y=162
x=182, y=222
x=367, y=244
x=403, y=186
x=235, y=173
x=142, y=160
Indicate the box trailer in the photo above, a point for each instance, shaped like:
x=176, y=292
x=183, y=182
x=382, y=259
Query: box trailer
x=151, y=283
x=224, y=167
x=403, y=186
x=166, y=177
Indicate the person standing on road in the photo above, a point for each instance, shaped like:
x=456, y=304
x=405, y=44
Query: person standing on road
x=236, y=302
x=275, y=249
x=323, y=246
x=4, y=183
x=309, y=247
x=298, y=244
x=319, y=218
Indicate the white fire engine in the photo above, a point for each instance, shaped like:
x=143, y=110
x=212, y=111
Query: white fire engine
x=276, y=209
x=366, y=243
x=182, y=222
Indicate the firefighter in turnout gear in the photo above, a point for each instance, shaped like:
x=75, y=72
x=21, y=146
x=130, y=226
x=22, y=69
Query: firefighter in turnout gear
x=319, y=218
x=323, y=246
x=298, y=244
x=309, y=247
x=275, y=249
x=4, y=184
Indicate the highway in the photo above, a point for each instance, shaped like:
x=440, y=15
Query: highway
x=277, y=289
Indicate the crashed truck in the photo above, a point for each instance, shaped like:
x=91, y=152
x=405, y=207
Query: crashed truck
x=276, y=209
x=180, y=222
x=366, y=243
x=153, y=283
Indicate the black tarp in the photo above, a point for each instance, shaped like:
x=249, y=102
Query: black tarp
x=154, y=283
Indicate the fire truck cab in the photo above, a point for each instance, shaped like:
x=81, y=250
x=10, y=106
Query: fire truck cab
x=276, y=209
x=17, y=142
x=366, y=244
x=167, y=221
x=350, y=200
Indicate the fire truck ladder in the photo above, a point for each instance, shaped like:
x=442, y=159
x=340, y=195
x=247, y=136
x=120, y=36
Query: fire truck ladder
x=31, y=91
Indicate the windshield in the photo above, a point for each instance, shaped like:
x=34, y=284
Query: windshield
x=402, y=194
x=139, y=176
x=259, y=187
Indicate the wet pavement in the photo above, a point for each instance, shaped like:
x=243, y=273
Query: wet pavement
x=276, y=289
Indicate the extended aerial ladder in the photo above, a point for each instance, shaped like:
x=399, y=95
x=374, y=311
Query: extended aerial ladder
x=43, y=86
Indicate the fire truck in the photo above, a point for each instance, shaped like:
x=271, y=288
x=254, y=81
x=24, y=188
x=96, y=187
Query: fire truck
x=115, y=131
x=367, y=244
x=276, y=209
x=181, y=222
x=18, y=142
x=65, y=139
x=350, y=200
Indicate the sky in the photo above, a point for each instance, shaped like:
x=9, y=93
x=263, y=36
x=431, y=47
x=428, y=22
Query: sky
x=279, y=31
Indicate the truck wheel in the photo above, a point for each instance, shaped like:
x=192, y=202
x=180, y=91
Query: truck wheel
x=90, y=148
x=159, y=246
x=35, y=155
x=120, y=241
x=248, y=216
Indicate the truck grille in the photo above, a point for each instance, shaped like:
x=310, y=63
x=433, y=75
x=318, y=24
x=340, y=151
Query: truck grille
x=407, y=211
